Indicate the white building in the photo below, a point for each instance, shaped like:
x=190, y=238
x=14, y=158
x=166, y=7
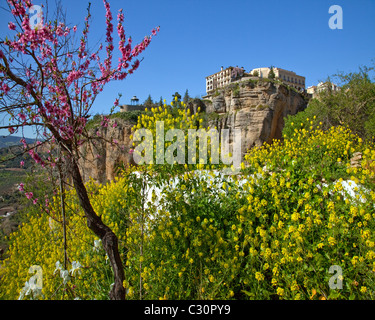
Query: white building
x=322, y=86
x=222, y=78
x=288, y=77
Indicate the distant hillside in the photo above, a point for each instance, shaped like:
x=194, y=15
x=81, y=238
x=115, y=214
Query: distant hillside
x=8, y=141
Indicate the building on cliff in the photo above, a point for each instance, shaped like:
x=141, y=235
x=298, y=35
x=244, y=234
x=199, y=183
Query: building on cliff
x=314, y=91
x=288, y=77
x=232, y=74
x=223, y=78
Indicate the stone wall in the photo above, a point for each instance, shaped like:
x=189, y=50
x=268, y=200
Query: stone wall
x=128, y=107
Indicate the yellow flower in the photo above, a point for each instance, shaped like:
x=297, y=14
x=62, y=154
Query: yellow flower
x=331, y=241
x=259, y=276
x=280, y=291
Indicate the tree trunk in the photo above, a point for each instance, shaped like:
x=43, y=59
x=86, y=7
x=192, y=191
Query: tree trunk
x=109, y=239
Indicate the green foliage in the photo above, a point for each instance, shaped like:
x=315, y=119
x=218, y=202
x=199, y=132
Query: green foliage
x=191, y=232
x=131, y=116
x=271, y=74
x=148, y=102
x=186, y=97
x=353, y=105
x=236, y=90
x=271, y=233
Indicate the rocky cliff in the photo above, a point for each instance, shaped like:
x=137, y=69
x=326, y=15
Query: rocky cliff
x=109, y=150
x=257, y=107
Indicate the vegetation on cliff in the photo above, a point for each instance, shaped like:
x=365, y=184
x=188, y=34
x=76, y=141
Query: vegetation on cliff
x=352, y=105
x=297, y=210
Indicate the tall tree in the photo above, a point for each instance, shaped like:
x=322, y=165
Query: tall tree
x=148, y=102
x=50, y=81
x=176, y=96
x=186, y=97
x=176, y=99
x=271, y=74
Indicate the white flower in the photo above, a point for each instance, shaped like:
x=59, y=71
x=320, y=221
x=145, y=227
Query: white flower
x=25, y=291
x=30, y=289
x=75, y=267
x=58, y=266
x=97, y=245
x=64, y=274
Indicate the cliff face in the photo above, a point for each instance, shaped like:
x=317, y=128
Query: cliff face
x=257, y=108
x=102, y=156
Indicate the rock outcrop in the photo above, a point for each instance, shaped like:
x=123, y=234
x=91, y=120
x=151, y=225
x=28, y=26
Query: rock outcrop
x=256, y=107
x=102, y=157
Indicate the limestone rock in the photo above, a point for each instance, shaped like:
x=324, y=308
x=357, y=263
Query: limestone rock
x=257, y=108
x=101, y=158
x=355, y=160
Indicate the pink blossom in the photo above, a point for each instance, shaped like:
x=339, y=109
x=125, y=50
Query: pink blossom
x=104, y=123
x=23, y=141
x=21, y=187
x=5, y=88
x=11, y=26
x=59, y=107
x=22, y=163
x=22, y=117
x=29, y=195
x=35, y=201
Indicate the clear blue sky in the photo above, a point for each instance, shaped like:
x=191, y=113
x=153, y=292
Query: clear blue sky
x=197, y=37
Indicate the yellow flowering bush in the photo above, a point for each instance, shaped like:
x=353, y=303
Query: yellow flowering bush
x=300, y=220
x=39, y=242
x=181, y=119
x=272, y=232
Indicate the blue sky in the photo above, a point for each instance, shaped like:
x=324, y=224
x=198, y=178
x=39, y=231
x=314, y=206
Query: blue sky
x=197, y=37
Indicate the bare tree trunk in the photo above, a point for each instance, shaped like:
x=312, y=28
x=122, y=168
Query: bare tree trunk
x=109, y=239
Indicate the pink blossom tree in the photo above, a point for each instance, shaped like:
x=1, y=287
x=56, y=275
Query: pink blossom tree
x=49, y=80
